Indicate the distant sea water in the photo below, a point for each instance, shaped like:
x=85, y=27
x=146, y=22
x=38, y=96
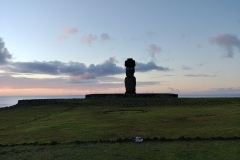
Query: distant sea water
x=208, y=95
x=7, y=101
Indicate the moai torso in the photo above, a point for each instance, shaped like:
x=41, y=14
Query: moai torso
x=130, y=80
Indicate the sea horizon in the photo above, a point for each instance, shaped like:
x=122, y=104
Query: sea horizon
x=7, y=101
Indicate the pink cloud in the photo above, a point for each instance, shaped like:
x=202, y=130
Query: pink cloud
x=89, y=38
x=153, y=49
x=173, y=90
x=70, y=30
x=228, y=42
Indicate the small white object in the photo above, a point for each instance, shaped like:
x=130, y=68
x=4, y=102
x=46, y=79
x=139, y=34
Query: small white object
x=138, y=139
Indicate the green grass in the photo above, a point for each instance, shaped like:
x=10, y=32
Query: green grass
x=80, y=121
x=110, y=119
x=197, y=150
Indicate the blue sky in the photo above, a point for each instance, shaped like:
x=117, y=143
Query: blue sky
x=69, y=47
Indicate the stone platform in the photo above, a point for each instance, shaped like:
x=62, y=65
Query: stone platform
x=142, y=95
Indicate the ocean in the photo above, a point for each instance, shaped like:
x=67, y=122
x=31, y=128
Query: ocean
x=7, y=101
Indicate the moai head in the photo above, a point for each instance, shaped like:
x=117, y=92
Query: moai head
x=129, y=63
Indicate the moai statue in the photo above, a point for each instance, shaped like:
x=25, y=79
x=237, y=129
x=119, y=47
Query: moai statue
x=130, y=80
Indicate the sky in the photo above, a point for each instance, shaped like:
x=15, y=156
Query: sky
x=78, y=47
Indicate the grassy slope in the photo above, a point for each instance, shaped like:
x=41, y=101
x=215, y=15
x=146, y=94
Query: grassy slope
x=87, y=120
x=111, y=119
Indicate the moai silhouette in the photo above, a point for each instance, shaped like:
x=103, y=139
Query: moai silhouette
x=130, y=80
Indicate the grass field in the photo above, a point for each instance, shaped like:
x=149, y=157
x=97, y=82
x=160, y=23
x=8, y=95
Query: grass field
x=110, y=119
x=197, y=150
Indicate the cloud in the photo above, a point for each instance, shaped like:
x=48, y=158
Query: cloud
x=76, y=70
x=144, y=67
x=228, y=42
x=4, y=54
x=70, y=30
x=199, y=75
x=104, y=69
x=185, y=67
x=113, y=84
x=89, y=38
x=108, y=79
x=36, y=67
x=173, y=90
x=147, y=83
x=26, y=83
x=105, y=37
x=61, y=37
x=56, y=86
x=153, y=49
